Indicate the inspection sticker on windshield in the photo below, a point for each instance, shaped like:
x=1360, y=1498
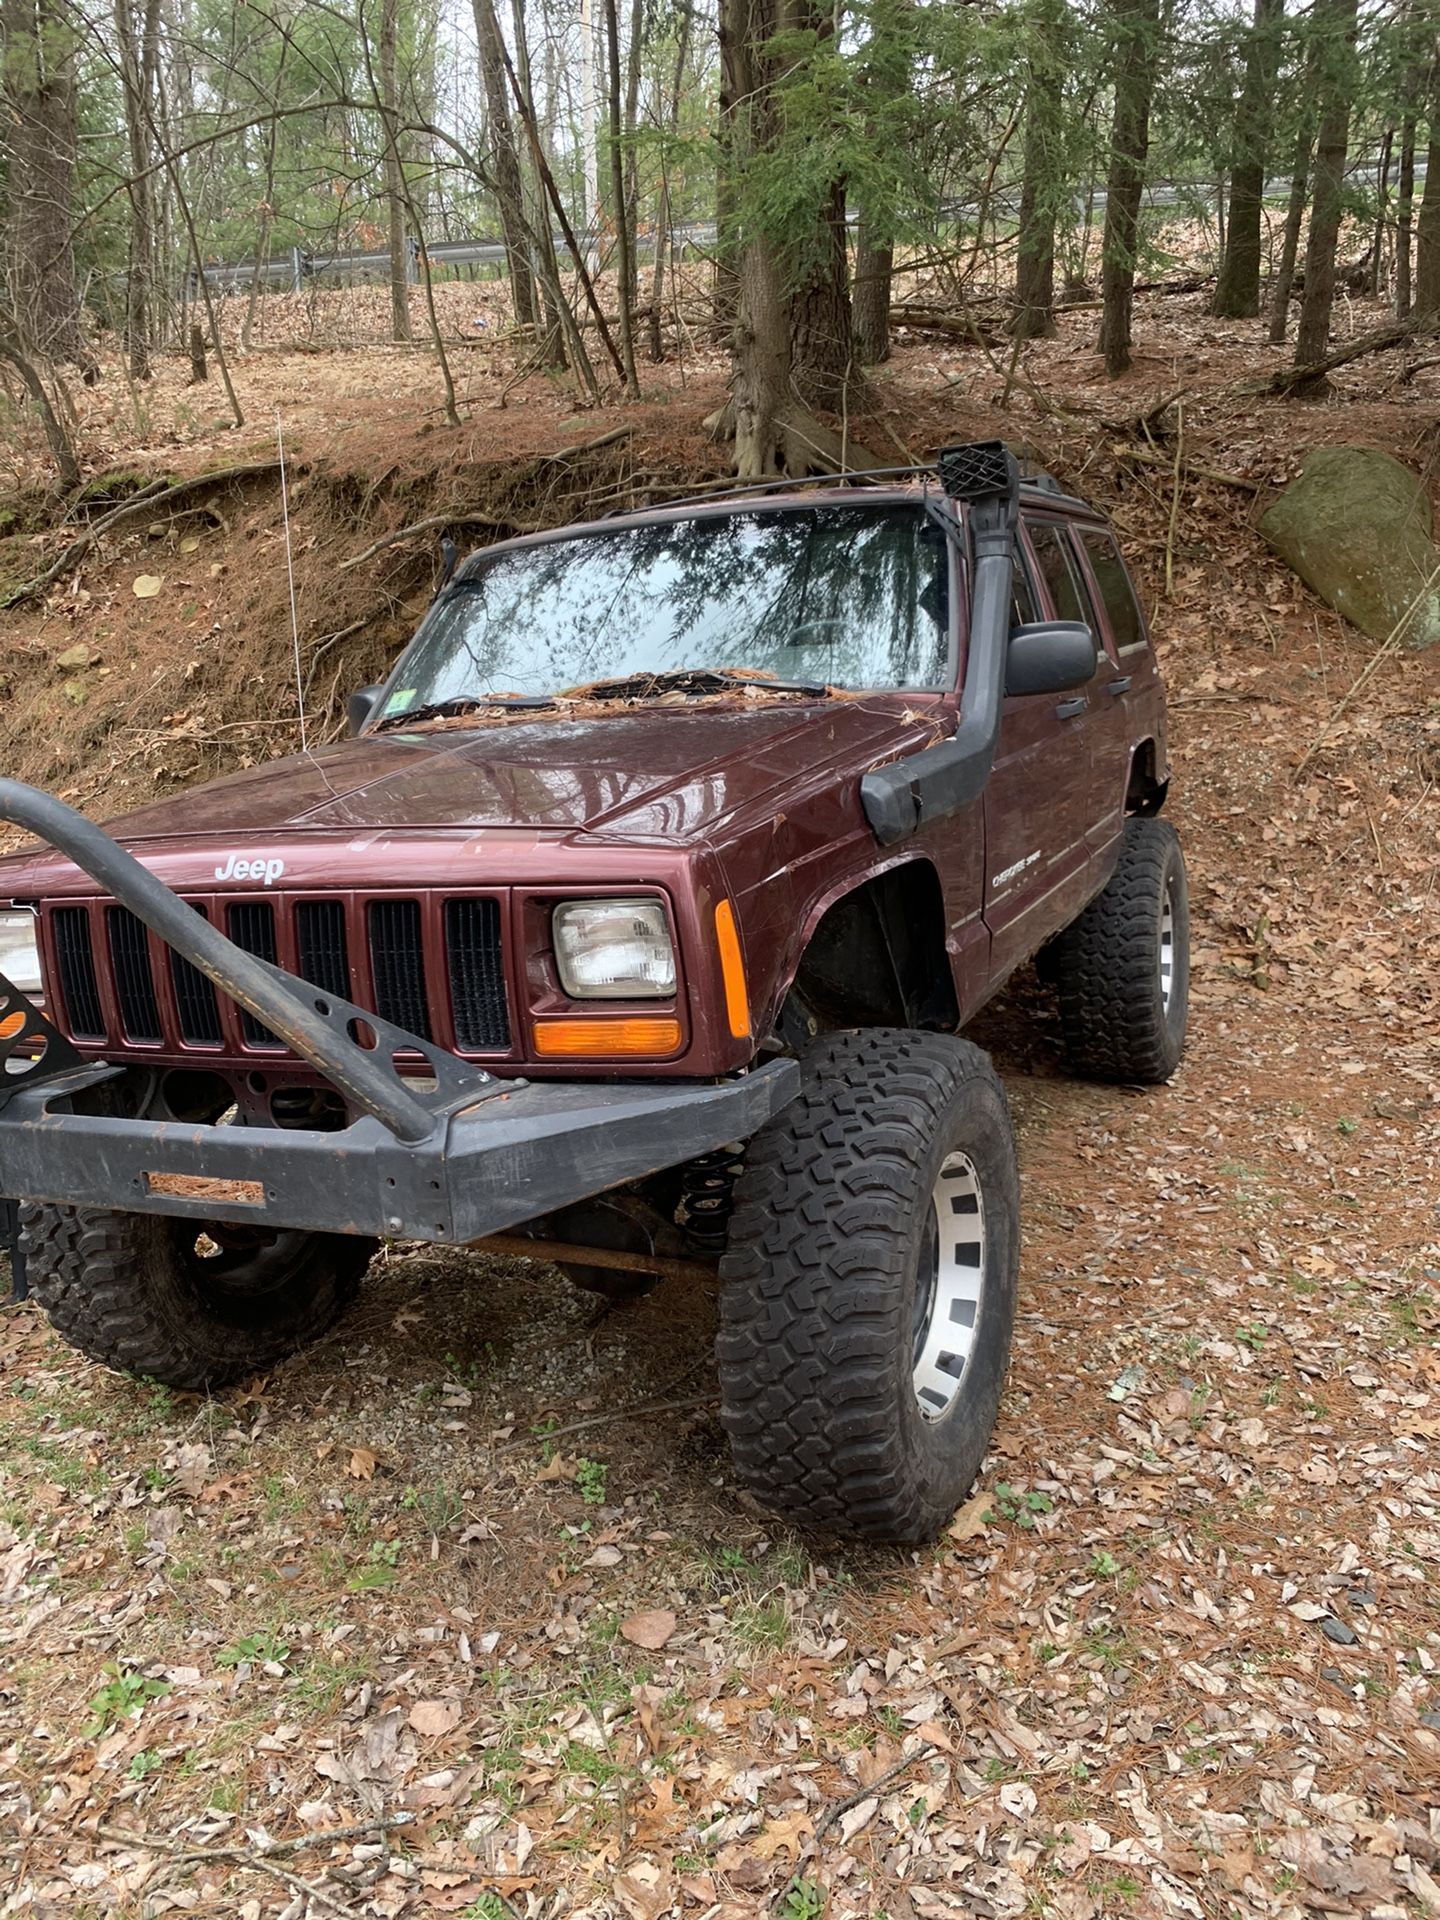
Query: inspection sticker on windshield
x=402, y=698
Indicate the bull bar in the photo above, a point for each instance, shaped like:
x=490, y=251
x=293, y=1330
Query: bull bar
x=453, y=1156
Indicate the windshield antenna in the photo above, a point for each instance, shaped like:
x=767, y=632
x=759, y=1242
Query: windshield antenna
x=290, y=575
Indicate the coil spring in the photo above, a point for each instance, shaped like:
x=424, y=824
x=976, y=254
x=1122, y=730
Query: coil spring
x=707, y=1196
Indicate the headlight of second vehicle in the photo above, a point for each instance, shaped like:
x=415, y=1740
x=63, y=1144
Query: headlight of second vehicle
x=20, y=949
x=614, y=950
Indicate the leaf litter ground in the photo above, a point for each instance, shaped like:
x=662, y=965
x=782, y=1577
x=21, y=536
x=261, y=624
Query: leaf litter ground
x=432, y=1621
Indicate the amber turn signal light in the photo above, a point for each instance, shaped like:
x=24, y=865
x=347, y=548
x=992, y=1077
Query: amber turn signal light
x=12, y=1024
x=605, y=1039
x=732, y=971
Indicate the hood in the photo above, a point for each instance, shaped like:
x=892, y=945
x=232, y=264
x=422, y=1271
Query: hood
x=655, y=775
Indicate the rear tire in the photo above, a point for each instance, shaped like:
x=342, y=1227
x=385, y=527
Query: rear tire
x=868, y=1295
x=188, y=1304
x=1122, y=969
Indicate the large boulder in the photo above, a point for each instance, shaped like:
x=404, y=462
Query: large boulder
x=1356, y=526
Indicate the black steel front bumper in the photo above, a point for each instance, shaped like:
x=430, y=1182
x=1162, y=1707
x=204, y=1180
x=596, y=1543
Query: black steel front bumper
x=451, y=1154
x=506, y=1159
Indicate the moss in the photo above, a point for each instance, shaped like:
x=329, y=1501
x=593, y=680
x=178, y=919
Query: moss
x=113, y=488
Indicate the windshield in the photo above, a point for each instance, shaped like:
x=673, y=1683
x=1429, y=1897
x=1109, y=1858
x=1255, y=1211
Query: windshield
x=846, y=596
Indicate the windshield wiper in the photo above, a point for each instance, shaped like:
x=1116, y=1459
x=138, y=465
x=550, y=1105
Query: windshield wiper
x=698, y=680
x=466, y=703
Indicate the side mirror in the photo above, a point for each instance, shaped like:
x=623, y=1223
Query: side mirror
x=360, y=706
x=1050, y=656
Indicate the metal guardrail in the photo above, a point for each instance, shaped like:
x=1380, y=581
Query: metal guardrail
x=297, y=269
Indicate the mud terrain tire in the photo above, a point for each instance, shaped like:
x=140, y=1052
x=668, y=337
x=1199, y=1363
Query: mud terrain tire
x=137, y=1291
x=838, y=1289
x=1122, y=1013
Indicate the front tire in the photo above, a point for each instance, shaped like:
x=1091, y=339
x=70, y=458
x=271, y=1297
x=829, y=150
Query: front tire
x=190, y=1305
x=868, y=1294
x=1122, y=969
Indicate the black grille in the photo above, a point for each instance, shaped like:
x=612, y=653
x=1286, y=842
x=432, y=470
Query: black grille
x=134, y=982
x=252, y=926
x=398, y=965
x=79, y=990
x=195, y=1000
x=477, y=974
x=320, y=939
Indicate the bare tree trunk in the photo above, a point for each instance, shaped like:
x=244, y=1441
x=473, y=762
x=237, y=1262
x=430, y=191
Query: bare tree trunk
x=12, y=348
x=267, y=213
x=1035, y=259
x=821, y=347
x=1337, y=18
x=624, y=238
x=1404, y=216
x=400, y=328
x=1382, y=213
x=1290, y=242
x=870, y=299
x=1137, y=35
x=663, y=241
x=731, y=137
x=37, y=95
x=1427, y=227
x=505, y=160
x=632, y=158
x=1237, y=291
x=137, y=35
x=761, y=382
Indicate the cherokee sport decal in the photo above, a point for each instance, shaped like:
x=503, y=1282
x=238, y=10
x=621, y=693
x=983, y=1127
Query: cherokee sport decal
x=269, y=871
x=1018, y=868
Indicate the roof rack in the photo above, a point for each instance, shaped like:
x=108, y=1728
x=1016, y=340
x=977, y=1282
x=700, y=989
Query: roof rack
x=1035, y=478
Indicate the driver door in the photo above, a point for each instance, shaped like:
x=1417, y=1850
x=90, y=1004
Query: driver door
x=1037, y=854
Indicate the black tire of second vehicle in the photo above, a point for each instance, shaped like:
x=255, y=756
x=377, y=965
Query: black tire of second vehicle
x=818, y=1286
x=131, y=1290
x=1113, y=1017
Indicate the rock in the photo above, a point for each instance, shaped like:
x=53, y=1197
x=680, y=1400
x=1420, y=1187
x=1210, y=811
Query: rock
x=76, y=659
x=1356, y=526
x=1337, y=1631
x=1430, y=1718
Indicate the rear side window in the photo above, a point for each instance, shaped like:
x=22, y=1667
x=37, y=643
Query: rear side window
x=1116, y=591
x=1052, y=551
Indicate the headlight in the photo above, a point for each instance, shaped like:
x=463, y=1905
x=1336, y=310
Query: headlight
x=20, y=949
x=614, y=950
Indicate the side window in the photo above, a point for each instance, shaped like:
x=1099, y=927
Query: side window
x=1115, y=590
x=1052, y=551
x=1022, y=598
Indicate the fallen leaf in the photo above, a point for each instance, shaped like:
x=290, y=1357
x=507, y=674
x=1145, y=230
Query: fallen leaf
x=969, y=1522
x=785, y=1835
x=651, y=1629
x=362, y=1463
x=190, y=543
x=557, y=1467
x=431, y=1718
x=147, y=585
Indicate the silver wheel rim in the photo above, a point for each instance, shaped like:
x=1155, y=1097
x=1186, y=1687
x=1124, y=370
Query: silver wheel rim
x=950, y=1285
x=1167, y=949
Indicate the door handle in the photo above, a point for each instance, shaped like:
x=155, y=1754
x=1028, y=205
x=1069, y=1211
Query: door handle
x=1122, y=685
x=1071, y=709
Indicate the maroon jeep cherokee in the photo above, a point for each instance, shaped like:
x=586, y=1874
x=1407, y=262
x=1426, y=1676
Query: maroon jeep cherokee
x=635, y=924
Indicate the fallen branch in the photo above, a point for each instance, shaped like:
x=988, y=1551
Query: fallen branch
x=839, y=1808
x=132, y=510
x=1379, y=340
x=436, y=523
x=1153, y=457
